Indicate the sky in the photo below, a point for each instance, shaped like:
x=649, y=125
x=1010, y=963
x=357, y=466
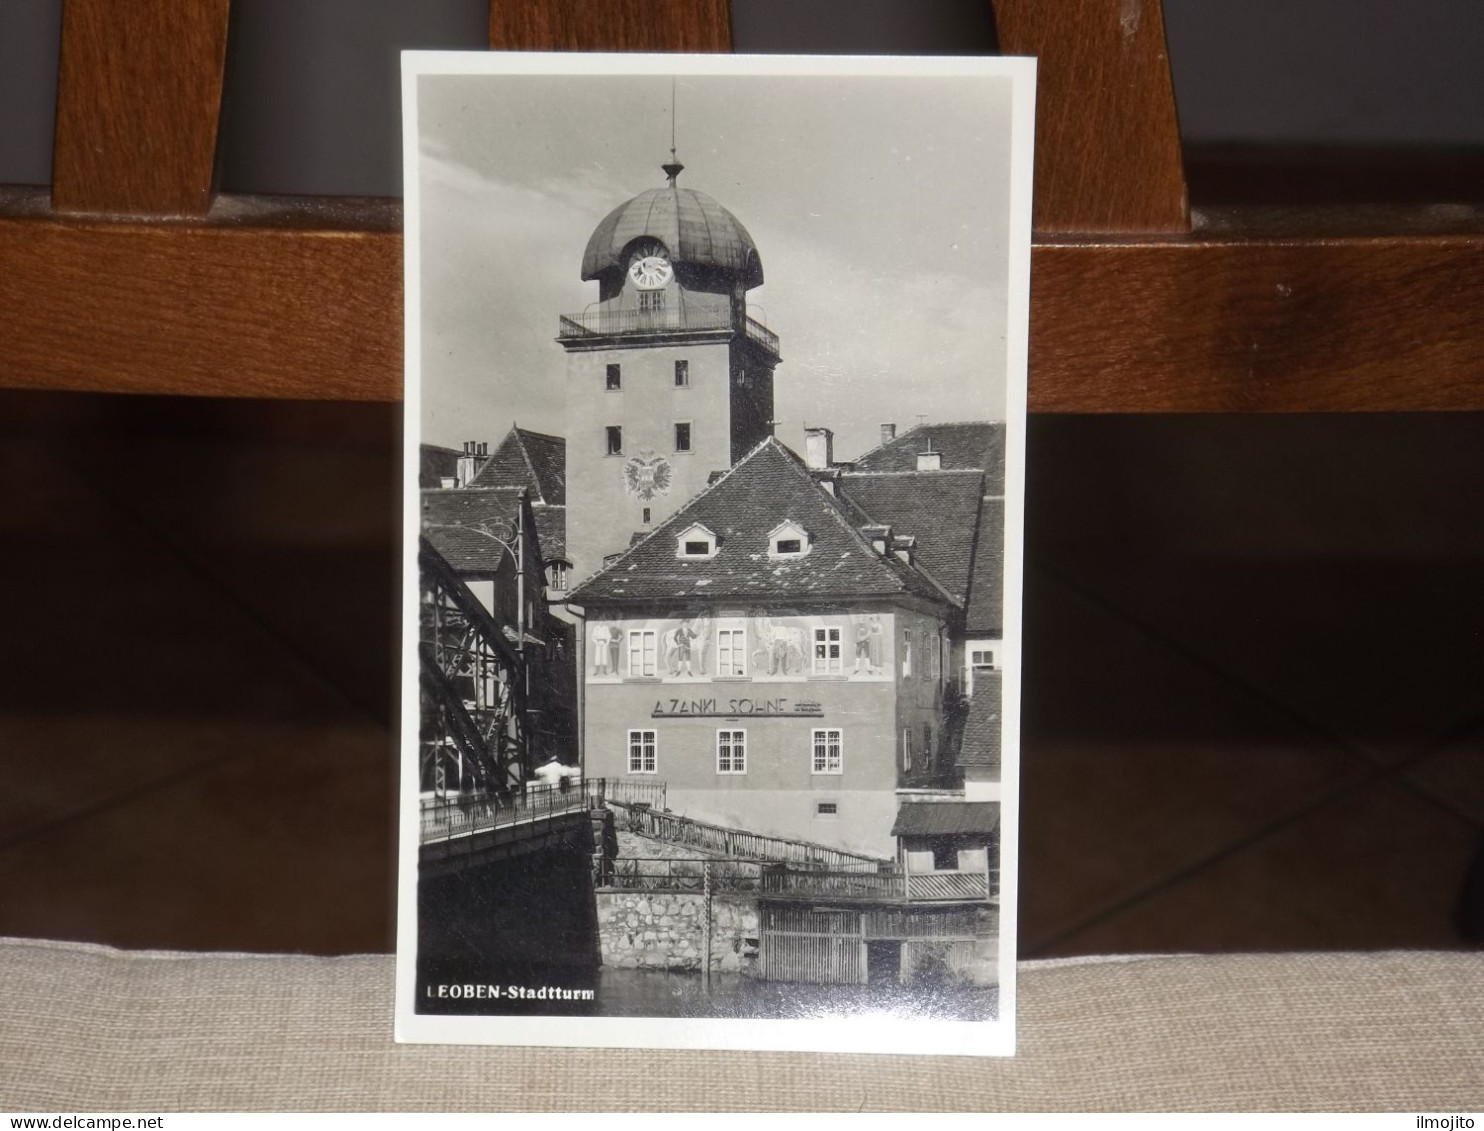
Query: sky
x=879, y=207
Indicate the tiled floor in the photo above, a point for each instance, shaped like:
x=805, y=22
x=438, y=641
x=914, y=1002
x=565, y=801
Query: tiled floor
x=1253, y=715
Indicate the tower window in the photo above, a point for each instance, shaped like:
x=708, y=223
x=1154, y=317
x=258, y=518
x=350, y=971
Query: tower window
x=646, y=516
x=614, y=379
x=682, y=375
x=682, y=437
x=615, y=440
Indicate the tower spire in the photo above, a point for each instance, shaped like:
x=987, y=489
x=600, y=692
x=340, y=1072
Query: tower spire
x=673, y=167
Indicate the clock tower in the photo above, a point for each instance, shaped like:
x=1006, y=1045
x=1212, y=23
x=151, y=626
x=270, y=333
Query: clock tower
x=668, y=377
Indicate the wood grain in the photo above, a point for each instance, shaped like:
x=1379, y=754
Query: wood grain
x=1225, y=324
x=610, y=25
x=1107, y=139
x=138, y=95
x=292, y=299
x=224, y=307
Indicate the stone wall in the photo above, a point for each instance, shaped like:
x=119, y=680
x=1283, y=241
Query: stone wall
x=665, y=931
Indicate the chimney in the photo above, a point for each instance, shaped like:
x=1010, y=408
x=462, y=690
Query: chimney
x=819, y=448
x=929, y=460
x=904, y=546
x=888, y=433
x=468, y=464
x=879, y=536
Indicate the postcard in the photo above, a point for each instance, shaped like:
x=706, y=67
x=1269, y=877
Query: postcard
x=716, y=379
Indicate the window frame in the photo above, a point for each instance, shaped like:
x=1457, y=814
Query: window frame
x=736, y=667
x=651, y=747
x=682, y=373
x=689, y=437
x=611, y=433
x=736, y=743
x=839, y=645
x=613, y=377
x=816, y=769
x=649, y=648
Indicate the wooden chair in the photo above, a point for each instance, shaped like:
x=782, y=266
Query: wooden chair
x=131, y=275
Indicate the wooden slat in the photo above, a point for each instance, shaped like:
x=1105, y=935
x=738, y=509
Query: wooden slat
x=268, y=300
x=610, y=25
x=1234, y=325
x=1107, y=139
x=138, y=95
x=212, y=308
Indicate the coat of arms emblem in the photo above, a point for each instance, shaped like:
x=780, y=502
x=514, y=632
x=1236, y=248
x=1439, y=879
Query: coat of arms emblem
x=647, y=475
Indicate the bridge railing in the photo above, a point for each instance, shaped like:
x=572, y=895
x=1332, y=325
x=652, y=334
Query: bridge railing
x=462, y=814
x=635, y=873
x=723, y=841
x=644, y=874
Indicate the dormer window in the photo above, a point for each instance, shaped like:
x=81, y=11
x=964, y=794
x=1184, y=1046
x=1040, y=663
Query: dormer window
x=697, y=542
x=788, y=540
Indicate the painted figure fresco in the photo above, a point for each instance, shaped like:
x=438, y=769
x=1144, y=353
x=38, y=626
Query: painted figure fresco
x=605, y=649
x=685, y=647
x=782, y=648
x=868, y=637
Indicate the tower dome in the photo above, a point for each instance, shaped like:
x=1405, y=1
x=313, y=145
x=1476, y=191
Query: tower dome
x=695, y=229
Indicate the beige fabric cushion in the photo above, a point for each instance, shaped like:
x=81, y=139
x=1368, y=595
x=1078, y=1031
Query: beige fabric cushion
x=85, y=1028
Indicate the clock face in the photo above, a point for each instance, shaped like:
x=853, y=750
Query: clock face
x=651, y=272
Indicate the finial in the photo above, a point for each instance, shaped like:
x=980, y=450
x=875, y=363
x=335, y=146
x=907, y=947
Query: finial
x=674, y=167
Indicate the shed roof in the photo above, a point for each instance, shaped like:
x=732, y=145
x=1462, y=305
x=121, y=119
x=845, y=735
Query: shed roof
x=946, y=818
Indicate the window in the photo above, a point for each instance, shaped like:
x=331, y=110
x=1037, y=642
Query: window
x=826, y=808
x=981, y=658
x=906, y=653
x=788, y=540
x=731, y=651
x=826, y=756
x=682, y=437
x=682, y=375
x=927, y=744
x=937, y=658
x=731, y=752
x=696, y=541
x=641, y=652
x=827, y=659
x=652, y=301
x=645, y=519
x=615, y=440
x=925, y=644
x=558, y=575
x=906, y=749
x=614, y=379
x=642, y=759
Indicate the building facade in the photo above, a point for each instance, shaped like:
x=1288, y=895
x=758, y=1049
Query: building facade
x=771, y=658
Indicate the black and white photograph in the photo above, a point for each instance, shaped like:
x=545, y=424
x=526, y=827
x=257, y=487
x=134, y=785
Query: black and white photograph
x=711, y=634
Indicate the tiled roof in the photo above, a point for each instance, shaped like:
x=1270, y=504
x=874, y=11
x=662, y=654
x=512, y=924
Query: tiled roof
x=768, y=486
x=946, y=818
x=531, y=460
x=962, y=445
x=551, y=528
x=435, y=464
x=981, y=739
x=984, y=611
x=452, y=520
x=941, y=508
